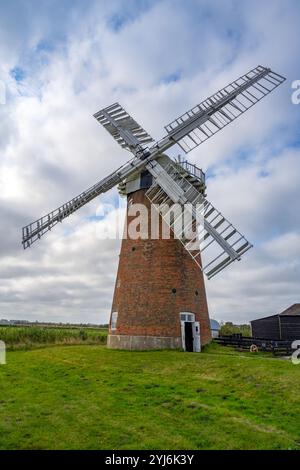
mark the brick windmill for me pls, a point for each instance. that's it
(159, 298)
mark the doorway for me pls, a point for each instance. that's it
(188, 335)
(190, 332)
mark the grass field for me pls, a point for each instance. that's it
(28, 337)
(89, 397)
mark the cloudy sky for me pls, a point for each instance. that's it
(61, 61)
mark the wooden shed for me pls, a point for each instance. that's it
(282, 326)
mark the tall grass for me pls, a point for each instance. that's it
(30, 336)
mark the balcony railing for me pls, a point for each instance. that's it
(192, 169)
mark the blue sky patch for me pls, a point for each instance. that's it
(172, 77)
(18, 74)
(116, 22)
(263, 173)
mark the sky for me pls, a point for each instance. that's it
(62, 61)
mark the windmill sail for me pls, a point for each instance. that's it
(215, 239)
(207, 118)
(36, 229)
(124, 129)
(189, 131)
(33, 231)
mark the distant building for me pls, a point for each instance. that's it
(215, 328)
(282, 326)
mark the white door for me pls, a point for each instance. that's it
(190, 317)
(196, 335)
(182, 335)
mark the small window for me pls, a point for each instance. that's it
(113, 323)
(185, 316)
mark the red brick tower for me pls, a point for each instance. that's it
(159, 299)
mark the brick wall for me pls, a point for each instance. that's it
(148, 274)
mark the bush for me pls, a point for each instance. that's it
(229, 328)
(27, 336)
(83, 335)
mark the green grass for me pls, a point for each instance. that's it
(94, 398)
(28, 337)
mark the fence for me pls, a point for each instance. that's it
(243, 343)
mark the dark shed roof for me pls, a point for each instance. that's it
(292, 310)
